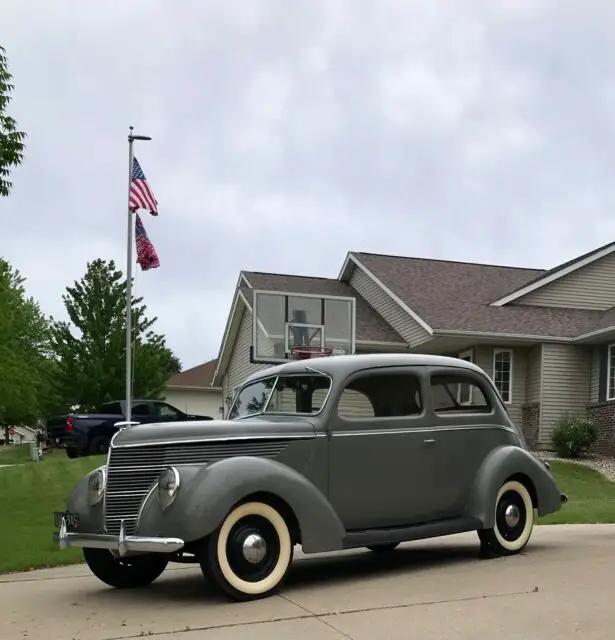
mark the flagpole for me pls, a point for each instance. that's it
(129, 260)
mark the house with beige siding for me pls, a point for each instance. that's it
(192, 391)
(546, 337)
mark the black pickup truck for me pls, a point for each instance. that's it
(83, 434)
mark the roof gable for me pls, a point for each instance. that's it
(199, 377)
(546, 277)
(455, 297)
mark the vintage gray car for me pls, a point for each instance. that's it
(334, 453)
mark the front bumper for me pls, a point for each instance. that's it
(121, 545)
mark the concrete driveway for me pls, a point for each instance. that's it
(562, 587)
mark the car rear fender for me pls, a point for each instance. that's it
(207, 494)
(500, 465)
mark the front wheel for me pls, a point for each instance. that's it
(514, 520)
(249, 555)
(125, 573)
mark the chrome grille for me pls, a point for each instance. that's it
(133, 470)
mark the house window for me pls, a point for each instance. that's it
(502, 373)
(610, 385)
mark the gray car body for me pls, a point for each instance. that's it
(343, 484)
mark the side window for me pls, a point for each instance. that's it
(457, 393)
(381, 395)
(165, 411)
(140, 410)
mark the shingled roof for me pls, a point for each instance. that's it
(200, 377)
(370, 326)
(456, 296)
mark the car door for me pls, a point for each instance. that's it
(466, 430)
(380, 450)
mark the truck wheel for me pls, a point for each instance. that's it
(125, 573)
(514, 520)
(248, 556)
(99, 445)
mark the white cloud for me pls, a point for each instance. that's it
(285, 134)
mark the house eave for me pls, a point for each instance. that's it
(499, 335)
(183, 387)
(515, 295)
(358, 264)
(598, 333)
(227, 343)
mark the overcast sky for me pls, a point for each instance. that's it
(287, 132)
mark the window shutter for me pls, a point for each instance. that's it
(603, 373)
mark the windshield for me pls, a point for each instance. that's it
(304, 394)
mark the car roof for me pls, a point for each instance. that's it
(344, 365)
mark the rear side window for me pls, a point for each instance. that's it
(113, 408)
(381, 395)
(457, 393)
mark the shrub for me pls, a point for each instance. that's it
(573, 435)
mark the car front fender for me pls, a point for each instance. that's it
(207, 494)
(500, 465)
(90, 518)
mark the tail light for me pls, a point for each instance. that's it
(69, 424)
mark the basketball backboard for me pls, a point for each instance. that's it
(282, 321)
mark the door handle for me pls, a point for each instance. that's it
(429, 441)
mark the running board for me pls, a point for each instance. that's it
(395, 535)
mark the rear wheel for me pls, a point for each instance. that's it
(514, 520)
(99, 445)
(249, 555)
(125, 573)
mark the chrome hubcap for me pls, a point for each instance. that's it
(254, 548)
(512, 515)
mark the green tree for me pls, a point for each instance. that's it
(11, 139)
(26, 364)
(91, 350)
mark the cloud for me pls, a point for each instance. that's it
(285, 134)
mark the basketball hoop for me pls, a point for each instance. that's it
(307, 351)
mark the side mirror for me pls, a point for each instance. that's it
(125, 424)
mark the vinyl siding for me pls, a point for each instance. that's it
(591, 287)
(240, 367)
(566, 384)
(534, 371)
(204, 403)
(410, 330)
(483, 357)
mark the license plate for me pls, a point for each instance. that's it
(72, 519)
(57, 440)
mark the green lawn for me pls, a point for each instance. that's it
(591, 497)
(31, 492)
(15, 454)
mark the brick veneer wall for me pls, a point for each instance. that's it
(530, 423)
(602, 414)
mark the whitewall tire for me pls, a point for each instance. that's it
(249, 555)
(514, 520)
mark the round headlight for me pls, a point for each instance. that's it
(168, 486)
(96, 486)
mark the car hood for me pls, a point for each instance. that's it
(256, 427)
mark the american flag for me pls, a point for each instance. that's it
(146, 252)
(141, 196)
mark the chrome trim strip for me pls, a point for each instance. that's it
(279, 436)
(378, 432)
(121, 545)
(143, 503)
